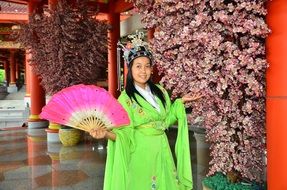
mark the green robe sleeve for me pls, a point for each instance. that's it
(172, 115)
(176, 112)
(172, 109)
(118, 154)
(182, 150)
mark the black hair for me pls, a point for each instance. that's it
(131, 90)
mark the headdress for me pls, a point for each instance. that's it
(136, 48)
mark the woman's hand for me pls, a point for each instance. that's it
(102, 132)
(191, 97)
(99, 132)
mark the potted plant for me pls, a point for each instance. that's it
(68, 46)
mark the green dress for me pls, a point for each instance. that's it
(140, 158)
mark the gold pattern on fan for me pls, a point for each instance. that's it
(91, 122)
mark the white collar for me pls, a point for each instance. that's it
(140, 89)
(147, 94)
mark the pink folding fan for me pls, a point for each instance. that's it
(85, 107)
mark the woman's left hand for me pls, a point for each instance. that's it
(191, 97)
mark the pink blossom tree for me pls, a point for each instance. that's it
(217, 47)
(68, 46)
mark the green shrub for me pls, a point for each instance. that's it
(220, 182)
(2, 75)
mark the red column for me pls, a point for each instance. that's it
(52, 4)
(37, 96)
(37, 92)
(276, 102)
(125, 73)
(12, 68)
(17, 71)
(28, 71)
(33, 6)
(150, 33)
(114, 35)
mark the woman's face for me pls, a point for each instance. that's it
(141, 71)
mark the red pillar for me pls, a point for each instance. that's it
(28, 71)
(37, 97)
(12, 88)
(125, 73)
(150, 33)
(276, 102)
(37, 91)
(17, 71)
(12, 68)
(114, 35)
(33, 6)
(52, 4)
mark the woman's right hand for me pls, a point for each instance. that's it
(99, 132)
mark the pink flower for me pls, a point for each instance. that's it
(217, 48)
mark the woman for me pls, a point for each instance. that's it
(139, 156)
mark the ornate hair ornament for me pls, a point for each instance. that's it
(135, 48)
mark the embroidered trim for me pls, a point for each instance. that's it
(153, 183)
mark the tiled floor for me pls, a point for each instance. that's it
(28, 162)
